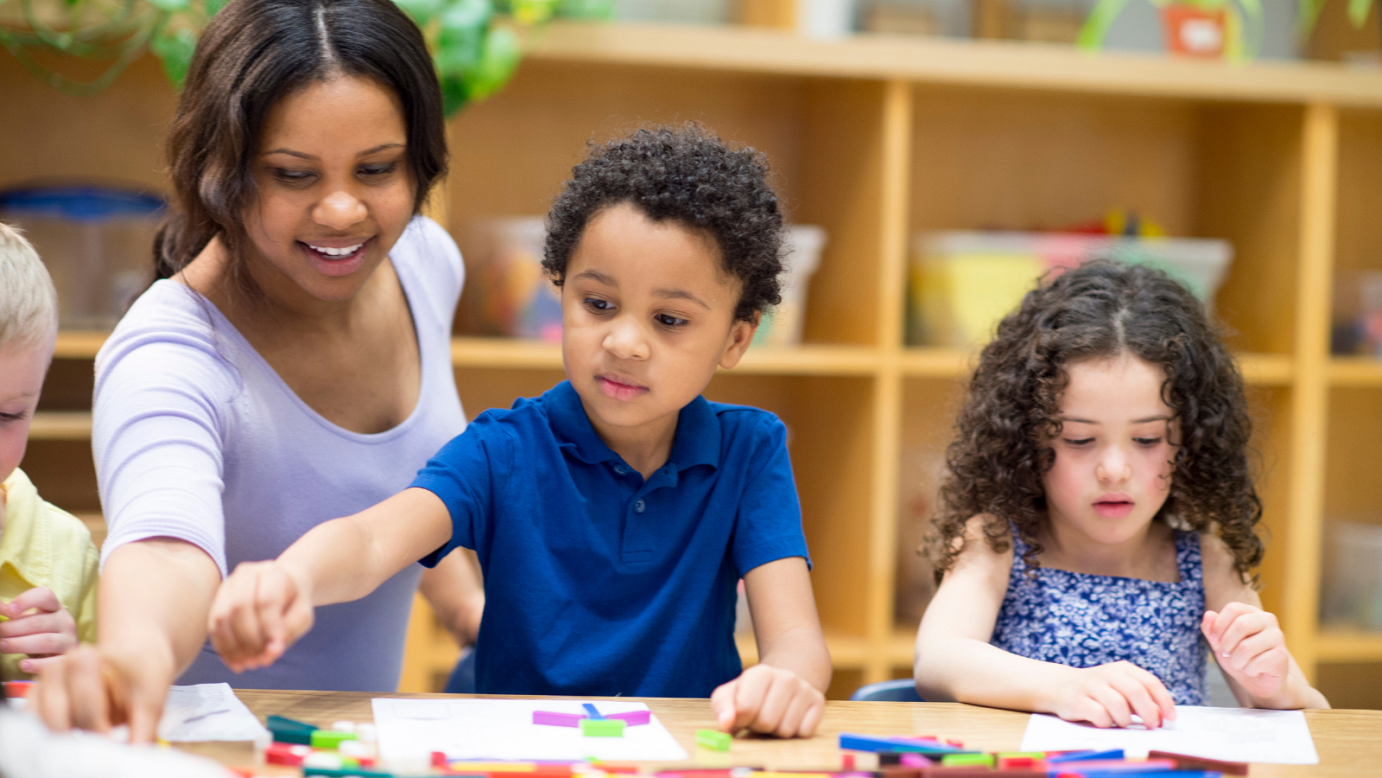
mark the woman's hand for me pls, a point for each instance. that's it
(260, 610)
(38, 626)
(1108, 695)
(96, 689)
(769, 700)
(1249, 647)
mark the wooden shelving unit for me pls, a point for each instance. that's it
(876, 138)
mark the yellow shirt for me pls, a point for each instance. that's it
(42, 545)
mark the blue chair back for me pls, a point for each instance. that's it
(903, 690)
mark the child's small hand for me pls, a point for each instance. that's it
(1108, 695)
(259, 611)
(38, 626)
(1249, 646)
(769, 699)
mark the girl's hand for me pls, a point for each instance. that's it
(259, 611)
(769, 699)
(1250, 647)
(1108, 695)
(38, 626)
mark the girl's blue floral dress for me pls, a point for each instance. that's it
(1083, 620)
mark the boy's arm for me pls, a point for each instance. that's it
(263, 607)
(784, 693)
(1247, 643)
(955, 661)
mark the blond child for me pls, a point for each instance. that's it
(47, 560)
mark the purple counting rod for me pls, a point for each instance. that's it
(557, 719)
(633, 718)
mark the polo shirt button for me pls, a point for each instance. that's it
(639, 506)
(620, 469)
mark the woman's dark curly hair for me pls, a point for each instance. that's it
(1097, 311)
(689, 175)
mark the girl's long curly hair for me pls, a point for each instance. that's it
(1098, 311)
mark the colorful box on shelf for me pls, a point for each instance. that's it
(962, 283)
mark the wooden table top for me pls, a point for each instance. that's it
(1349, 742)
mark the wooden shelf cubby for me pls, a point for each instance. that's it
(876, 138)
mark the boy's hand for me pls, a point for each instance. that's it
(259, 611)
(38, 626)
(769, 699)
(1249, 646)
(1108, 695)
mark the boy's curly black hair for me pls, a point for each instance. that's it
(1097, 311)
(690, 175)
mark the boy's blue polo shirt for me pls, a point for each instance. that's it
(596, 581)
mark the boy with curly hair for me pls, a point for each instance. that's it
(47, 560)
(613, 515)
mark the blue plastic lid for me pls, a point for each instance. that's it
(80, 203)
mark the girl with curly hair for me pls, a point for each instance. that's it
(1098, 520)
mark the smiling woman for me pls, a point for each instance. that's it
(291, 364)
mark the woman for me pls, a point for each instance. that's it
(293, 363)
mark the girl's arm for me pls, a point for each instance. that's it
(263, 607)
(784, 694)
(1247, 643)
(955, 662)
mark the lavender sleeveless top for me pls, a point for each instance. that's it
(1083, 620)
(197, 438)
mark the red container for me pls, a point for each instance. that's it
(1194, 32)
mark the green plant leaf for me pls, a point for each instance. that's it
(601, 10)
(214, 7)
(454, 95)
(174, 50)
(461, 43)
(1358, 11)
(171, 6)
(497, 65)
(421, 11)
(532, 11)
(1096, 27)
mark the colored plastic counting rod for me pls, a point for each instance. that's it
(713, 739)
(592, 711)
(287, 730)
(342, 772)
(329, 739)
(1083, 756)
(634, 718)
(602, 728)
(855, 742)
(967, 760)
(552, 719)
(1184, 761)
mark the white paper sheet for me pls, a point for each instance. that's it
(1229, 734)
(208, 711)
(409, 730)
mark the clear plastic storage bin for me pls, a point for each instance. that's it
(962, 283)
(1352, 590)
(96, 241)
(783, 325)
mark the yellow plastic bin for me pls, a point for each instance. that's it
(962, 283)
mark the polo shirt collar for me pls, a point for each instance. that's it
(25, 543)
(697, 440)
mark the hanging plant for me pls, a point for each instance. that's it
(474, 43)
(1218, 28)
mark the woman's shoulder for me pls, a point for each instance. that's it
(169, 329)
